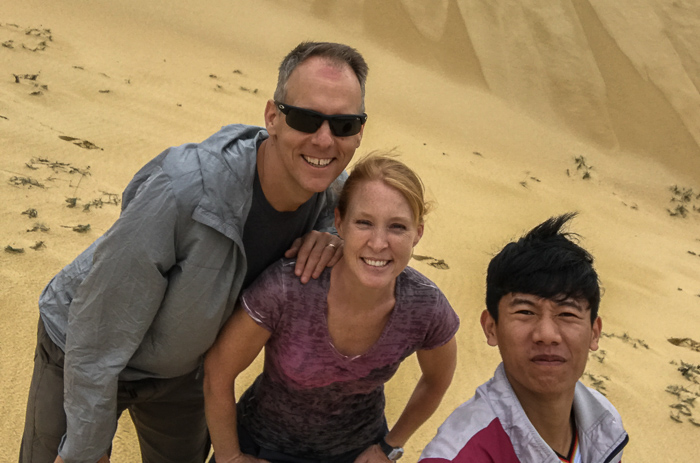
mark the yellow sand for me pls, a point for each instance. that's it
(490, 101)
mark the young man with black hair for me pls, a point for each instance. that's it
(542, 298)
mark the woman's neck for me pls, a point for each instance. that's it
(347, 288)
(357, 315)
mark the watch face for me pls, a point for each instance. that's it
(395, 454)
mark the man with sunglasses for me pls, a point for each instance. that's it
(126, 324)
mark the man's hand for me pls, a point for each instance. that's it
(315, 251)
(104, 459)
(373, 454)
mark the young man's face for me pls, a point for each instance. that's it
(308, 163)
(544, 343)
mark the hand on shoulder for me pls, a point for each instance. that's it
(314, 252)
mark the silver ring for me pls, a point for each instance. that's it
(331, 245)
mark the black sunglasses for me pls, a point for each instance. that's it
(308, 121)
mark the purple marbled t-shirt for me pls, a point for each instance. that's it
(311, 401)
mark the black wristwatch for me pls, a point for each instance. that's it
(392, 453)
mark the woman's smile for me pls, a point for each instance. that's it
(379, 233)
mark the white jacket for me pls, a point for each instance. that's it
(493, 427)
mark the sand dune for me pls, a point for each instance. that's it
(621, 74)
(510, 111)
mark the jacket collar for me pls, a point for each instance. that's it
(228, 163)
(599, 426)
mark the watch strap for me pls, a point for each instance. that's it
(392, 453)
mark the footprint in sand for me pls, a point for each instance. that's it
(12, 250)
(88, 145)
(38, 227)
(38, 245)
(31, 213)
(437, 263)
(78, 228)
(685, 342)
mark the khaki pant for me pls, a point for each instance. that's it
(168, 414)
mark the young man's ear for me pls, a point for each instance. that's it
(595, 333)
(488, 324)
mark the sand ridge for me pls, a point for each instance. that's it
(510, 111)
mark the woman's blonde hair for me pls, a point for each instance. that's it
(394, 173)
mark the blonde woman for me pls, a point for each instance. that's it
(330, 345)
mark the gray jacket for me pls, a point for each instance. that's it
(147, 299)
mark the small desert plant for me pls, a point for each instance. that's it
(581, 165)
(684, 198)
(679, 211)
(683, 195)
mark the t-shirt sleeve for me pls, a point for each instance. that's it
(263, 300)
(443, 324)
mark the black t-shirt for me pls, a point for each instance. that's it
(268, 233)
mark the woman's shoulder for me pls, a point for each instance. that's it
(415, 288)
(281, 274)
(278, 296)
(285, 266)
(425, 309)
(412, 280)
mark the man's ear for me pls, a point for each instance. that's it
(271, 117)
(359, 136)
(595, 333)
(488, 324)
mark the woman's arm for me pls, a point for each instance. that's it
(438, 366)
(239, 342)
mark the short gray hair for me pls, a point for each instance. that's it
(337, 53)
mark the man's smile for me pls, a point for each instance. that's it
(316, 162)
